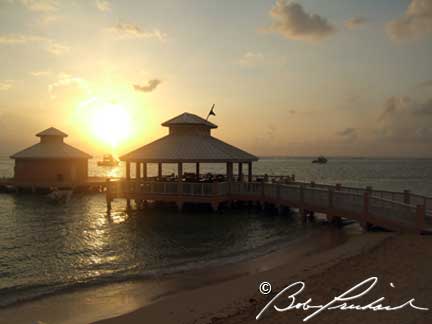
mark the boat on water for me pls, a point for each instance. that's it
(60, 195)
(320, 160)
(108, 161)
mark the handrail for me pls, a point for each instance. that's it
(360, 202)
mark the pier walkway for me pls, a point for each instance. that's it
(398, 211)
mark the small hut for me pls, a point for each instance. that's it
(50, 162)
(189, 141)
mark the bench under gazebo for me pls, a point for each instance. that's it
(189, 141)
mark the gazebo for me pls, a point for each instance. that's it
(189, 141)
(51, 162)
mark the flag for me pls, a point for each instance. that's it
(211, 112)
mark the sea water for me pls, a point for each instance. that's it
(47, 248)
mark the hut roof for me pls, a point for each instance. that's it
(189, 146)
(188, 119)
(56, 149)
(52, 131)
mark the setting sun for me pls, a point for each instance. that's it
(108, 122)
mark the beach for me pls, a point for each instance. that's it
(404, 260)
(101, 302)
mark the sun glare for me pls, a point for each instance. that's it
(110, 123)
(107, 122)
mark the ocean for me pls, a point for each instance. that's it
(47, 248)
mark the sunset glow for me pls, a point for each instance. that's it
(108, 123)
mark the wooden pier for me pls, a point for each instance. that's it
(397, 211)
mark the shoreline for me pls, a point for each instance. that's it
(228, 298)
(117, 299)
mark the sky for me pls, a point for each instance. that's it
(288, 78)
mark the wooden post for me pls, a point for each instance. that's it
(330, 198)
(127, 170)
(230, 171)
(407, 197)
(240, 171)
(159, 170)
(137, 170)
(250, 171)
(421, 213)
(338, 186)
(197, 170)
(364, 222)
(108, 194)
(145, 171)
(180, 178)
(302, 194)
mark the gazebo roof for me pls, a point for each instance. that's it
(188, 119)
(55, 149)
(189, 146)
(52, 131)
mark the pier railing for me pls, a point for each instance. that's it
(388, 209)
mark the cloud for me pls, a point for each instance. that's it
(425, 84)
(20, 39)
(51, 46)
(393, 105)
(41, 5)
(251, 59)
(349, 134)
(416, 21)
(39, 73)
(152, 85)
(65, 80)
(103, 5)
(293, 22)
(131, 31)
(406, 120)
(6, 85)
(355, 22)
(57, 48)
(424, 108)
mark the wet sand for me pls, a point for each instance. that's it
(404, 260)
(238, 300)
(123, 299)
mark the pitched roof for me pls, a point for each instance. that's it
(188, 119)
(51, 148)
(189, 148)
(51, 151)
(52, 132)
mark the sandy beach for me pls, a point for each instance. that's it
(109, 301)
(401, 259)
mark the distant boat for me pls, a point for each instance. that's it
(320, 160)
(108, 161)
(60, 196)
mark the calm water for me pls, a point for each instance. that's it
(46, 248)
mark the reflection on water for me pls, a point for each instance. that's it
(45, 248)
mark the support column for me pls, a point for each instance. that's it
(250, 171)
(240, 172)
(145, 171)
(180, 171)
(128, 202)
(127, 170)
(160, 170)
(229, 171)
(137, 170)
(197, 170)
